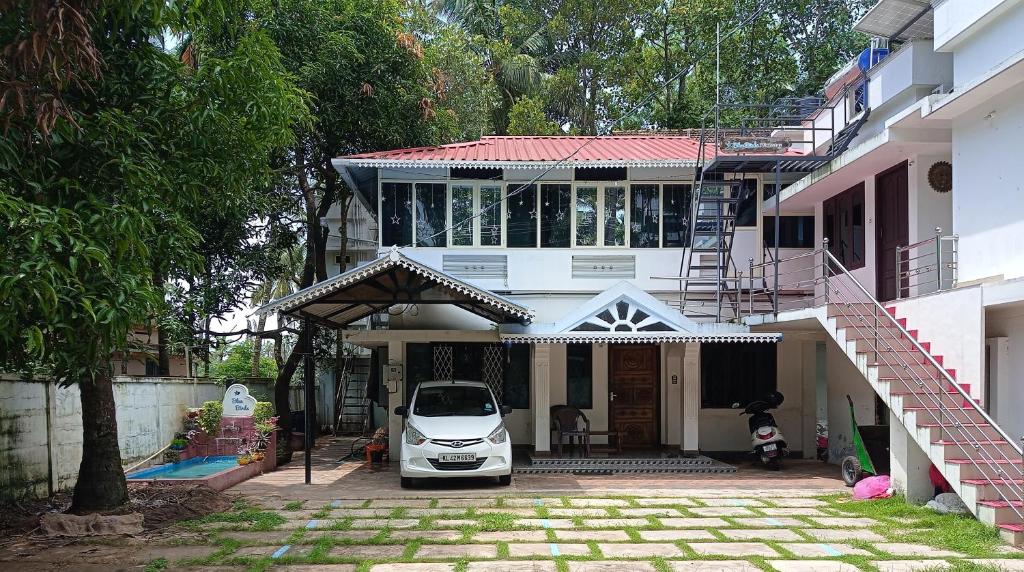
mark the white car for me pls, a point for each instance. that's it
(454, 429)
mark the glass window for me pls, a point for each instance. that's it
(396, 214)
(516, 392)
(794, 231)
(675, 228)
(431, 214)
(462, 215)
(490, 215)
(746, 209)
(522, 215)
(586, 216)
(555, 209)
(615, 216)
(736, 373)
(643, 216)
(579, 376)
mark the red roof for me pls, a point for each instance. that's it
(605, 151)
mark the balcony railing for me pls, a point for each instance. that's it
(927, 266)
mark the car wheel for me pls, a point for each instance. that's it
(852, 471)
(505, 480)
(407, 482)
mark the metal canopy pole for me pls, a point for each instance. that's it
(778, 192)
(309, 395)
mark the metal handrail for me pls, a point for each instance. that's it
(919, 347)
(908, 267)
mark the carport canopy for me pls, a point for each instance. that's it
(391, 280)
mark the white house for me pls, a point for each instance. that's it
(863, 245)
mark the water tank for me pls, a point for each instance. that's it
(870, 57)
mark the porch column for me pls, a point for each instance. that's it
(396, 397)
(541, 398)
(691, 399)
(908, 463)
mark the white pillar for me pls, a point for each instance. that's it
(673, 382)
(691, 398)
(396, 397)
(541, 397)
(908, 463)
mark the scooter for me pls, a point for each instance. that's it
(767, 441)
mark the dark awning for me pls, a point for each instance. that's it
(392, 279)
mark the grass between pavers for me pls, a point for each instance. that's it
(156, 565)
(294, 505)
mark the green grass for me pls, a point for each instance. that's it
(156, 565)
(294, 505)
(256, 519)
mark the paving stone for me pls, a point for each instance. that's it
(408, 503)
(369, 551)
(457, 551)
(414, 567)
(909, 565)
(313, 568)
(906, 549)
(586, 535)
(833, 534)
(733, 548)
(626, 550)
(383, 522)
(811, 550)
(1004, 565)
(518, 550)
(662, 501)
(312, 523)
(712, 566)
(840, 522)
(598, 502)
(693, 522)
(577, 512)
(426, 534)
(359, 513)
(649, 512)
(437, 512)
(611, 566)
(721, 511)
(531, 502)
(796, 502)
(453, 522)
(313, 536)
(615, 522)
(545, 522)
(297, 514)
(346, 503)
(767, 521)
(778, 534)
(263, 551)
(731, 502)
(511, 536)
(795, 511)
(468, 503)
(683, 534)
(171, 553)
(272, 537)
(812, 566)
(513, 566)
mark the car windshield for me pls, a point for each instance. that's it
(454, 400)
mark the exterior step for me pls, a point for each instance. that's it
(868, 322)
(891, 346)
(949, 400)
(910, 372)
(857, 308)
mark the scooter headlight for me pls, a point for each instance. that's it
(413, 436)
(499, 435)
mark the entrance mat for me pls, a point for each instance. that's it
(604, 466)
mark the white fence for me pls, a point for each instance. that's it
(41, 427)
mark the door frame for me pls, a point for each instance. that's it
(657, 389)
(879, 273)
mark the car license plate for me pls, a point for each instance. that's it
(456, 457)
(770, 447)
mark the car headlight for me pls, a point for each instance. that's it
(499, 435)
(413, 436)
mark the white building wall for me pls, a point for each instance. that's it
(1008, 392)
(845, 379)
(980, 33)
(988, 193)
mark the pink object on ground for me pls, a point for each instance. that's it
(879, 487)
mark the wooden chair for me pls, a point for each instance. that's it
(566, 422)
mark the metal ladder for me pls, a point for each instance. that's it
(353, 415)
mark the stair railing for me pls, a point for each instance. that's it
(993, 458)
(923, 266)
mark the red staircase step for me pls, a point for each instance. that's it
(979, 442)
(1011, 527)
(1001, 503)
(986, 462)
(983, 482)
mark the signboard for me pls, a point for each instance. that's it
(237, 402)
(753, 144)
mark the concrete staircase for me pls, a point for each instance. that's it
(974, 455)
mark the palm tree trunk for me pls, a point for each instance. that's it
(257, 346)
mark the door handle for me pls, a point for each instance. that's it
(611, 396)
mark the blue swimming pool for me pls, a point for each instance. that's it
(194, 468)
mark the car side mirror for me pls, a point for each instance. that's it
(505, 410)
(402, 411)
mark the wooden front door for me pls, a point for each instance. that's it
(891, 229)
(633, 393)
